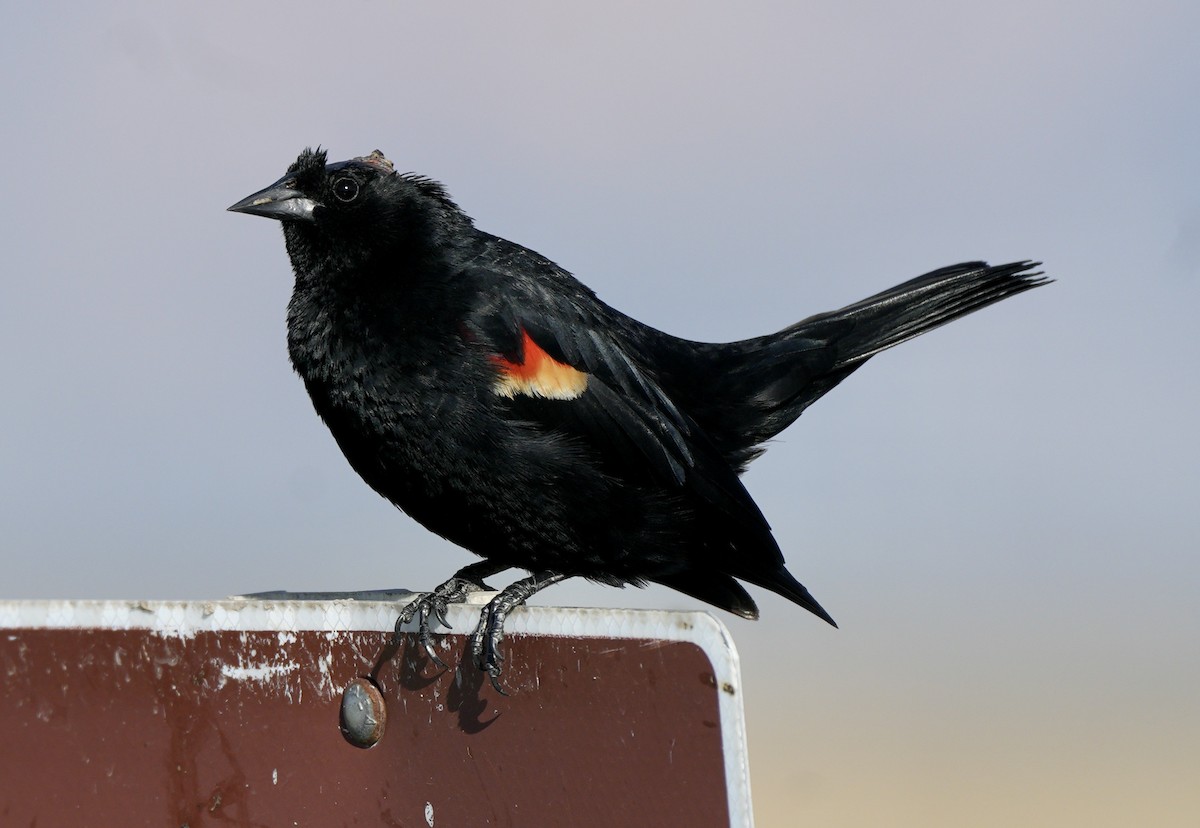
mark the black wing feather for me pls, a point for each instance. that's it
(624, 407)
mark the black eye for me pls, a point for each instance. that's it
(346, 189)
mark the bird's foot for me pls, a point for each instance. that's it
(485, 641)
(433, 605)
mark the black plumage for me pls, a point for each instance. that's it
(495, 399)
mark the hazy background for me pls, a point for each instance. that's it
(1002, 515)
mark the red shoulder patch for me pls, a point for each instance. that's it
(537, 374)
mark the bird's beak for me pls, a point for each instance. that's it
(279, 201)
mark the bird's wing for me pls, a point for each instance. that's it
(566, 362)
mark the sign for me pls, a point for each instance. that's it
(228, 712)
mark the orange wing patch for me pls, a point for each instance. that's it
(538, 375)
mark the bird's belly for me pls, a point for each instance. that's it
(503, 490)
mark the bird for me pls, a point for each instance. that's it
(498, 401)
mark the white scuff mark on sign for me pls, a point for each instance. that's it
(654, 643)
(325, 667)
(260, 673)
(429, 814)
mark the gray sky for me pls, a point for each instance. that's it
(1001, 514)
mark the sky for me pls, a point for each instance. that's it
(1001, 515)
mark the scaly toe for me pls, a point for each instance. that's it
(494, 677)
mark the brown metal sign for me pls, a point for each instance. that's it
(219, 713)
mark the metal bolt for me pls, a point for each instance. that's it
(364, 714)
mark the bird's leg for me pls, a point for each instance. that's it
(485, 641)
(433, 604)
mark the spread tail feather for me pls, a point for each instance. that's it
(762, 385)
(917, 306)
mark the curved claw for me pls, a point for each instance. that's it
(439, 610)
(427, 642)
(425, 606)
(494, 677)
(488, 659)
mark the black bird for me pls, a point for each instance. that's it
(490, 395)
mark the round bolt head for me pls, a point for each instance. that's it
(364, 714)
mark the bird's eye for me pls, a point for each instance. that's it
(346, 189)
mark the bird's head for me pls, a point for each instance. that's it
(355, 209)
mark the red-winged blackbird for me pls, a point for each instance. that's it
(491, 396)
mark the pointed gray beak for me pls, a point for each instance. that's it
(279, 201)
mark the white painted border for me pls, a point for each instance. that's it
(366, 611)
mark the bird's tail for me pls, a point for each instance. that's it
(882, 321)
(764, 384)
